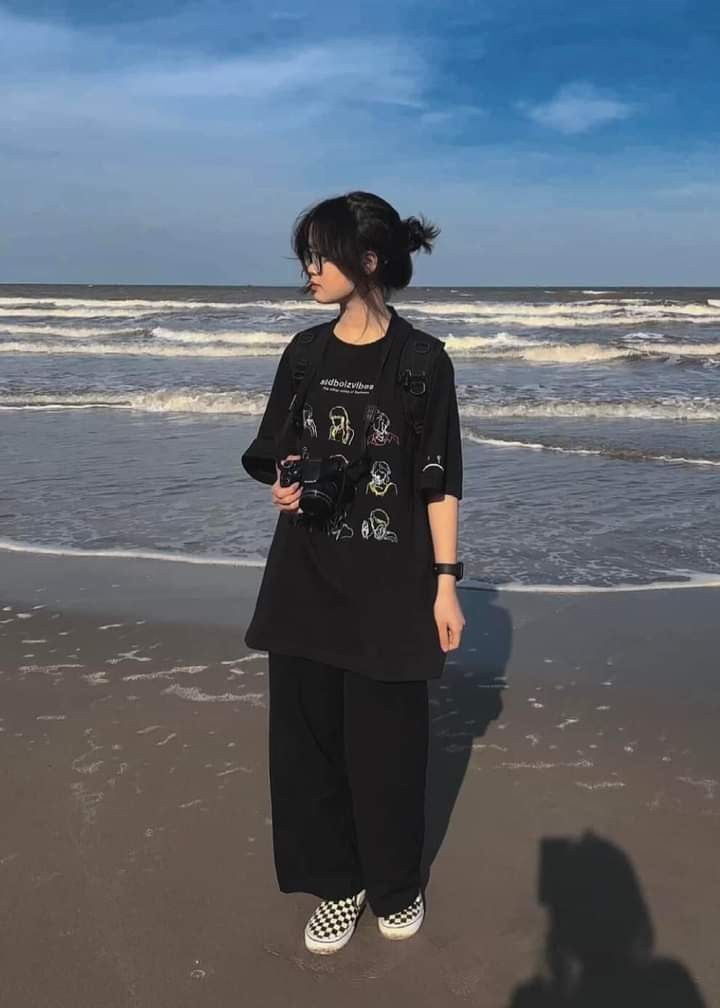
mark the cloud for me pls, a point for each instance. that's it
(691, 193)
(86, 75)
(177, 143)
(576, 108)
(458, 116)
(291, 73)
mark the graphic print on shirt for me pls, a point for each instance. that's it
(338, 528)
(380, 483)
(377, 526)
(433, 462)
(340, 427)
(308, 422)
(380, 430)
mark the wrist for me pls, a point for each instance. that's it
(446, 583)
(448, 568)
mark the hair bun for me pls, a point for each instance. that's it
(419, 234)
(415, 233)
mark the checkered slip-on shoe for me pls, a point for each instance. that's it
(332, 924)
(404, 923)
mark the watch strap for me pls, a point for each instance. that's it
(449, 568)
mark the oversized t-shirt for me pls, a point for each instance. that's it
(358, 591)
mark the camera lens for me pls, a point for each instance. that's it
(316, 503)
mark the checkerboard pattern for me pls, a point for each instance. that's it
(403, 923)
(332, 924)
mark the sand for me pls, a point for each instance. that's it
(135, 855)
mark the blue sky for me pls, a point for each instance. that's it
(552, 142)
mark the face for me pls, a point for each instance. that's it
(329, 283)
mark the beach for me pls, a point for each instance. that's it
(514, 307)
(136, 853)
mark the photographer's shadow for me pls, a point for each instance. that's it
(462, 704)
(598, 949)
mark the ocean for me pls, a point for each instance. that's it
(590, 421)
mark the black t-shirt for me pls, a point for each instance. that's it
(358, 591)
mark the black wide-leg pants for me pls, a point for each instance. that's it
(347, 762)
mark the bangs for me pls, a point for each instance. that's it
(327, 230)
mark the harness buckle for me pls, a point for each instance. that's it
(414, 381)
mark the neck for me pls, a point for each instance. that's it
(359, 322)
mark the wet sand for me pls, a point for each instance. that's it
(135, 853)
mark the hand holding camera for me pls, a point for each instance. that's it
(286, 495)
(319, 488)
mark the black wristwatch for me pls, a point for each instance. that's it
(449, 568)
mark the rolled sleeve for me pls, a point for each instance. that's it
(260, 457)
(439, 460)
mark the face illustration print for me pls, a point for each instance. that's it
(380, 483)
(340, 429)
(336, 525)
(380, 432)
(308, 422)
(433, 462)
(377, 526)
(339, 528)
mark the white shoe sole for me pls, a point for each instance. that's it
(405, 931)
(398, 933)
(328, 947)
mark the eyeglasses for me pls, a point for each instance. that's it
(311, 256)
(314, 257)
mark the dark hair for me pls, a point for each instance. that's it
(343, 228)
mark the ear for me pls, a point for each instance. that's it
(370, 261)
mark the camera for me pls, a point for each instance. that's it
(326, 484)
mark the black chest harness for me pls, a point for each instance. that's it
(416, 362)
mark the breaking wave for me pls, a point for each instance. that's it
(252, 403)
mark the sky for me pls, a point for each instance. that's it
(552, 142)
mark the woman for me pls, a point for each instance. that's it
(353, 610)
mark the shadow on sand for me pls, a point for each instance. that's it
(462, 704)
(598, 948)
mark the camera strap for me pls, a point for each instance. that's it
(303, 370)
